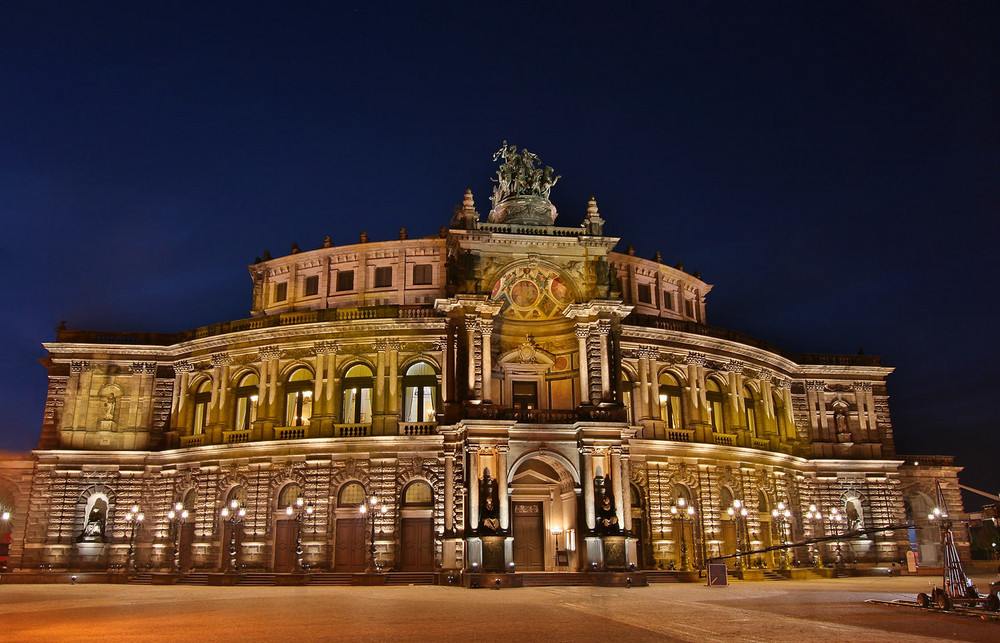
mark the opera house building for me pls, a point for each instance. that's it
(505, 395)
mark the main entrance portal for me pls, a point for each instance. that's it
(529, 544)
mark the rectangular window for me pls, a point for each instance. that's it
(312, 285)
(383, 277)
(281, 292)
(668, 300)
(525, 395)
(689, 307)
(422, 275)
(645, 294)
(345, 280)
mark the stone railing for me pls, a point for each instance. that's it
(237, 437)
(516, 228)
(725, 439)
(650, 321)
(680, 435)
(417, 428)
(352, 430)
(760, 443)
(352, 313)
(290, 433)
(192, 440)
(547, 416)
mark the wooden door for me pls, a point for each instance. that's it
(529, 549)
(350, 549)
(285, 532)
(186, 544)
(417, 553)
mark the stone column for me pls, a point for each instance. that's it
(653, 396)
(582, 333)
(616, 484)
(604, 329)
(378, 404)
(643, 384)
(471, 323)
(590, 517)
(502, 487)
(392, 406)
(183, 370)
(626, 489)
(445, 381)
(473, 482)
(319, 361)
(486, 328)
(449, 491)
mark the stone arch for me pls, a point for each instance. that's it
(286, 371)
(89, 510)
(355, 361)
(409, 361)
(555, 460)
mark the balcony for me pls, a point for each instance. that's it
(680, 435)
(724, 439)
(760, 443)
(417, 428)
(192, 440)
(546, 416)
(352, 430)
(290, 433)
(237, 437)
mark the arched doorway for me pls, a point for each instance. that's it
(417, 528)
(185, 539)
(286, 529)
(641, 528)
(543, 515)
(349, 547)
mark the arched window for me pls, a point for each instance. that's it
(418, 494)
(298, 398)
(238, 494)
(670, 401)
(779, 414)
(420, 393)
(714, 396)
(350, 494)
(750, 415)
(190, 499)
(246, 402)
(627, 397)
(289, 495)
(358, 384)
(202, 400)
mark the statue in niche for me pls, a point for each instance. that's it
(840, 420)
(607, 516)
(110, 403)
(93, 530)
(489, 505)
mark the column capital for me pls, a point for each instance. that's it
(604, 326)
(269, 352)
(79, 366)
(182, 366)
(380, 345)
(471, 324)
(862, 386)
(486, 326)
(220, 359)
(696, 359)
(733, 366)
(582, 331)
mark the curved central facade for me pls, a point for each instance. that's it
(514, 396)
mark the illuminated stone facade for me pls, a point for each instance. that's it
(510, 390)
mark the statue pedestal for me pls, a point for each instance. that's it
(494, 559)
(614, 552)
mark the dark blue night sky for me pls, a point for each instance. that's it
(833, 169)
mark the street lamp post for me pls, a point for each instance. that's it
(685, 513)
(235, 514)
(5, 526)
(133, 518)
(301, 510)
(836, 520)
(371, 509)
(556, 531)
(782, 514)
(815, 518)
(738, 513)
(177, 516)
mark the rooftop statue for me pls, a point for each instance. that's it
(522, 188)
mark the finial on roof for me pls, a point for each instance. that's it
(295, 248)
(443, 232)
(657, 257)
(593, 223)
(364, 236)
(468, 202)
(266, 256)
(465, 216)
(630, 250)
(402, 234)
(326, 242)
(680, 266)
(697, 274)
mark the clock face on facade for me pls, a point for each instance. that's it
(531, 292)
